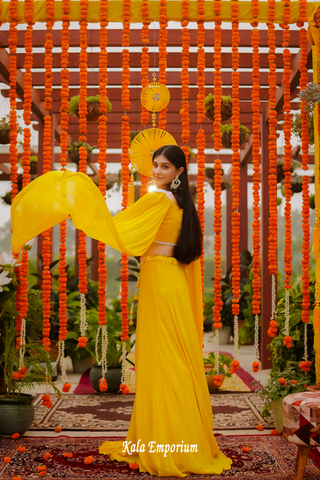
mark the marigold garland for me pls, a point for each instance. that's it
(303, 13)
(287, 166)
(163, 37)
(145, 56)
(235, 217)
(255, 13)
(13, 37)
(217, 76)
(144, 185)
(200, 63)
(201, 143)
(217, 226)
(256, 225)
(185, 79)
(273, 213)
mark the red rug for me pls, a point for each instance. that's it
(270, 458)
(84, 387)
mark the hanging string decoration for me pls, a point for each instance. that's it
(305, 181)
(125, 178)
(217, 76)
(287, 167)
(272, 180)
(64, 122)
(82, 248)
(145, 55)
(235, 216)
(102, 142)
(256, 225)
(185, 79)
(163, 37)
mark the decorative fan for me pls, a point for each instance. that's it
(144, 145)
(155, 97)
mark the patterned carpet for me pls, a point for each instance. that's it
(270, 458)
(239, 411)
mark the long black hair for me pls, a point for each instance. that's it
(189, 245)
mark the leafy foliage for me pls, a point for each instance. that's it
(74, 146)
(210, 99)
(74, 103)
(297, 126)
(224, 363)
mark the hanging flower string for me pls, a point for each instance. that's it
(272, 180)
(82, 249)
(235, 217)
(256, 225)
(64, 122)
(145, 56)
(102, 142)
(217, 76)
(163, 37)
(305, 181)
(125, 179)
(287, 168)
(185, 79)
(201, 139)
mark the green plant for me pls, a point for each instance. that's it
(312, 201)
(224, 363)
(5, 124)
(15, 383)
(227, 128)
(74, 147)
(114, 351)
(34, 322)
(311, 94)
(280, 384)
(7, 198)
(75, 101)
(297, 126)
(210, 99)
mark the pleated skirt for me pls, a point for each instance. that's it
(170, 432)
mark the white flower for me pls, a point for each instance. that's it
(4, 280)
(6, 259)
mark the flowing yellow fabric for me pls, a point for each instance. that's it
(174, 11)
(314, 36)
(172, 403)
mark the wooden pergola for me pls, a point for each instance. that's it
(174, 126)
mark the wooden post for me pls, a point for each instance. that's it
(228, 229)
(95, 260)
(265, 353)
(243, 208)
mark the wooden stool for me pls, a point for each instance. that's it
(301, 425)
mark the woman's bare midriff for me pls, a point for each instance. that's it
(157, 249)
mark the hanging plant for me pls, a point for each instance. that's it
(93, 107)
(226, 107)
(133, 134)
(33, 164)
(226, 132)
(312, 201)
(297, 127)
(280, 172)
(296, 183)
(311, 95)
(73, 151)
(226, 180)
(5, 130)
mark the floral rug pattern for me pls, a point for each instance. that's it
(113, 412)
(270, 458)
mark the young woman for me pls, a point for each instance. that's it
(170, 432)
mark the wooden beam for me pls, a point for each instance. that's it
(246, 151)
(295, 77)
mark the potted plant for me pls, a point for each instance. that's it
(225, 363)
(93, 107)
(312, 201)
(33, 164)
(7, 198)
(73, 151)
(112, 178)
(226, 107)
(296, 183)
(16, 409)
(226, 132)
(5, 130)
(296, 126)
(280, 172)
(280, 384)
(81, 357)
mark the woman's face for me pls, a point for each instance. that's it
(164, 171)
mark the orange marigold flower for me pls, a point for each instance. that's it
(16, 376)
(15, 435)
(17, 478)
(246, 449)
(47, 455)
(43, 473)
(57, 429)
(282, 381)
(294, 382)
(306, 385)
(68, 455)
(260, 428)
(21, 449)
(274, 432)
(88, 460)
(41, 468)
(7, 459)
(134, 466)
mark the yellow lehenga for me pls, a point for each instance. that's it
(172, 407)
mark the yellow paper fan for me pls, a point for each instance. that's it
(144, 145)
(155, 97)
